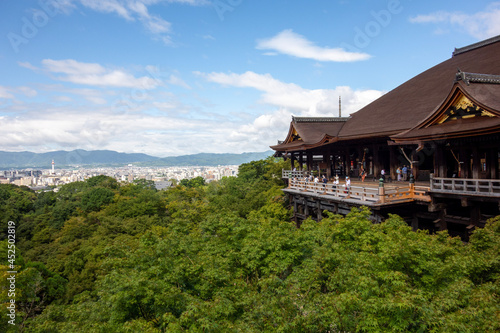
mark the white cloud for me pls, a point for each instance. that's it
(104, 128)
(10, 92)
(132, 10)
(109, 6)
(288, 42)
(481, 25)
(175, 80)
(157, 25)
(159, 122)
(315, 102)
(94, 74)
(288, 98)
(5, 93)
(27, 91)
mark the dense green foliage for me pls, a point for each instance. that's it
(98, 256)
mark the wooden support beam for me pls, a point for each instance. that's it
(414, 223)
(295, 212)
(475, 215)
(435, 207)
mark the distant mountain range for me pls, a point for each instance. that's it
(82, 157)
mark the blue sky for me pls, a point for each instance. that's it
(177, 77)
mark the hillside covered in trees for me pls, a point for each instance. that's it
(99, 256)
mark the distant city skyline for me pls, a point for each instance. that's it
(178, 77)
(37, 178)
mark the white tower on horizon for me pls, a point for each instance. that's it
(53, 172)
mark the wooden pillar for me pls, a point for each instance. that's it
(292, 160)
(295, 218)
(347, 163)
(309, 160)
(442, 222)
(491, 161)
(320, 215)
(494, 164)
(393, 162)
(476, 163)
(329, 164)
(376, 162)
(414, 164)
(475, 214)
(439, 162)
(301, 161)
(414, 223)
(463, 158)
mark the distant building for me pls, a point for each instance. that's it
(162, 185)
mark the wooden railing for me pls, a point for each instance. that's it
(289, 174)
(364, 194)
(420, 193)
(486, 187)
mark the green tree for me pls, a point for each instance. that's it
(95, 198)
(194, 182)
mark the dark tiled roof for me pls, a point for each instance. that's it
(410, 103)
(487, 95)
(319, 119)
(482, 94)
(476, 45)
(312, 131)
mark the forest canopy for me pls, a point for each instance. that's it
(101, 256)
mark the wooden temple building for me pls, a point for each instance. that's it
(443, 125)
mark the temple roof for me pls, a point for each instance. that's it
(410, 103)
(471, 108)
(309, 132)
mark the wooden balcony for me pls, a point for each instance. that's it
(461, 186)
(369, 194)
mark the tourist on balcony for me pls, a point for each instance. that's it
(316, 182)
(405, 173)
(398, 172)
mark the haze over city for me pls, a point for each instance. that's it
(180, 77)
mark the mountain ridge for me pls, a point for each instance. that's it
(81, 157)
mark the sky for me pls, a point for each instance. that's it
(178, 77)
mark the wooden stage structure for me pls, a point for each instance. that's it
(441, 129)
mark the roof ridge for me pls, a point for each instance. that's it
(477, 77)
(474, 46)
(318, 119)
